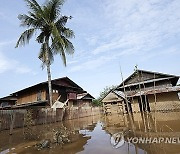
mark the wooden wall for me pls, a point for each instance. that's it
(135, 105)
(114, 108)
(31, 97)
(143, 77)
(79, 103)
(55, 96)
(85, 103)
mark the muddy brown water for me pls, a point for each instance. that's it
(103, 135)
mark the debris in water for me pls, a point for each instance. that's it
(43, 144)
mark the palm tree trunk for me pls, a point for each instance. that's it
(49, 84)
(49, 73)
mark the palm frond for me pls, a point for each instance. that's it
(34, 6)
(60, 23)
(41, 37)
(57, 37)
(54, 7)
(44, 52)
(25, 37)
(69, 48)
(68, 33)
(27, 21)
(37, 10)
(63, 57)
(57, 48)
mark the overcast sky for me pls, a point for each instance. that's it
(109, 34)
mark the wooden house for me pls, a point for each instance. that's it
(38, 95)
(7, 102)
(150, 91)
(84, 99)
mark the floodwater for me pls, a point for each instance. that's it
(132, 134)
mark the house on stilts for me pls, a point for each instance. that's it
(146, 91)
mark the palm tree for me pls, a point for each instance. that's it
(47, 21)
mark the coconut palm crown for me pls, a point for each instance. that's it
(47, 21)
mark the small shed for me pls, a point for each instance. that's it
(84, 99)
(113, 102)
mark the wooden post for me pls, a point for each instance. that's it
(155, 99)
(139, 89)
(1, 119)
(144, 92)
(24, 121)
(13, 117)
(132, 98)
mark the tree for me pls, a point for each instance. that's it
(47, 21)
(106, 91)
(96, 102)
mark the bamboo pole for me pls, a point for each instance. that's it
(127, 105)
(139, 87)
(132, 97)
(155, 99)
(144, 91)
(142, 113)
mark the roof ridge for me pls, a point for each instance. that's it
(157, 72)
(170, 75)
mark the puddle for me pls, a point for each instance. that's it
(131, 134)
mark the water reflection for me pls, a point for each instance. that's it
(92, 135)
(148, 125)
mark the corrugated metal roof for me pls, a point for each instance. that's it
(30, 104)
(120, 93)
(145, 71)
(144, 82)
(154, 91)
(82, 95)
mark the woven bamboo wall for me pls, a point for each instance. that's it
(164, 102)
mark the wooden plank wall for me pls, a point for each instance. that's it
(39, 116)
(31, 97)
(80, 112)
(42, 116)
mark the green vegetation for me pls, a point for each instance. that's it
(48, 24)
(106, 90)
(96, 102)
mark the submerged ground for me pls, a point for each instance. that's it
(99, 134)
